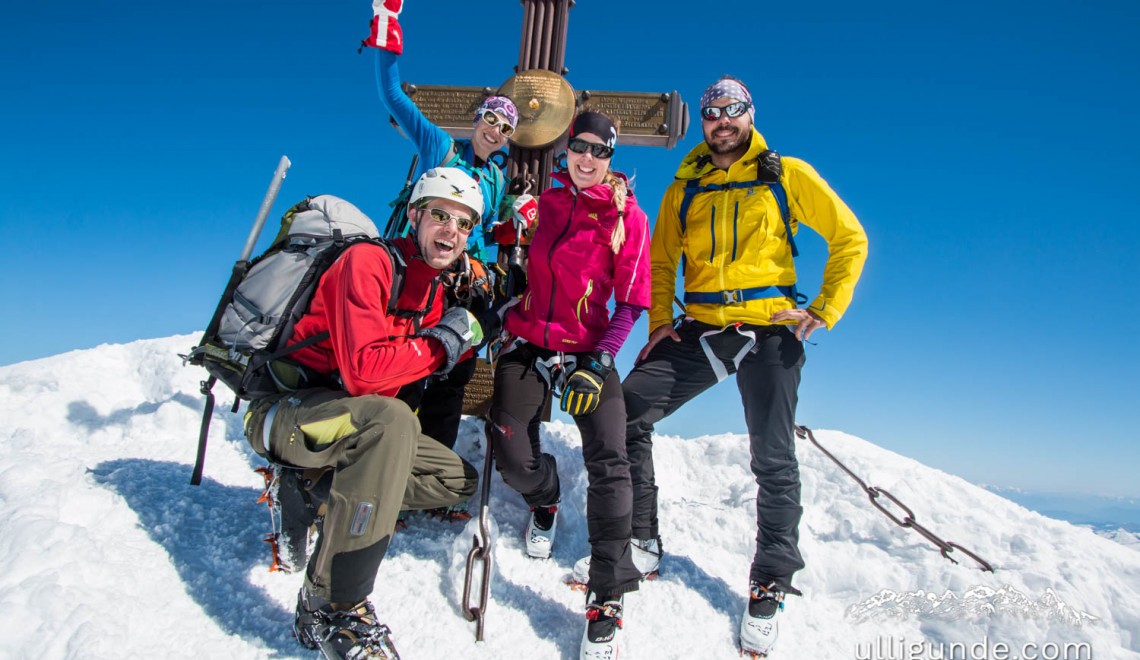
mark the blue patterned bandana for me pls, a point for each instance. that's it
(728, 87)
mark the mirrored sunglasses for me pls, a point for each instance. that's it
(713, 113)
(463, 224)
(580, 146)
(494, 119)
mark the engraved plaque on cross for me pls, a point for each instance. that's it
(644, 119)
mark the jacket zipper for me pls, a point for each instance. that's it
(584, 301)
(554, 280)
(712, 230)
(720, 271)
(735, 215)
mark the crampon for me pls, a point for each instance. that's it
(295, 516)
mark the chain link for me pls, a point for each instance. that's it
(908, 520)
(480, 552)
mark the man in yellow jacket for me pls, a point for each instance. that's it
(730, 219)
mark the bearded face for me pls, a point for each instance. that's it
(727, 135)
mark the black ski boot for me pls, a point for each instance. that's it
(354, 633)
(602, 638)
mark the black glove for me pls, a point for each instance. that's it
(499, 283)
(491, 324)
(583, 390)
(510, 280)
(457, 331)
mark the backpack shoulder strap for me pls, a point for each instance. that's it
(399, 270)
(454, 154)
(692, 187)
(770, 164)
(781, 196)
(770, 169)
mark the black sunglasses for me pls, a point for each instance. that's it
(712, 113)
(580, 146)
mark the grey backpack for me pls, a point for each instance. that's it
(244, 343)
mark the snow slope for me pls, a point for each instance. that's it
(1121, 536)
(108, 552)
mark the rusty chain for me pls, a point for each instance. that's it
(908, 521)
(480, 551)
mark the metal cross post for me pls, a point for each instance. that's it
(547, 103)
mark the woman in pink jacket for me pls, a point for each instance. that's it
(592, 242)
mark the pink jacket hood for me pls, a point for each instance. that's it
(572, 270)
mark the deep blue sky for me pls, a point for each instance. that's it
(988, 148)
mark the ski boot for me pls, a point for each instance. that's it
(758, 628)
(350, 634)
(540, 530)
(646, 557)
(602, 638)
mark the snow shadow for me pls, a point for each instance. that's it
(437, 540)
(83, 414)
(548, 618)
(722, 597)
(212, 535)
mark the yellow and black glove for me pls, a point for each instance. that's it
(583, 390)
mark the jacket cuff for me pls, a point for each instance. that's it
(657, 322)
(829, 314)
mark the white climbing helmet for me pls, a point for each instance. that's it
(449, 183)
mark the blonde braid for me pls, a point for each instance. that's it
(621, 194)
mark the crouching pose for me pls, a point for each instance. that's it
(379, 459)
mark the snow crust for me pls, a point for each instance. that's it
(108, 552)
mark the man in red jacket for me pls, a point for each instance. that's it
(380, 460)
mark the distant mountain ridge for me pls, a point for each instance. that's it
(1097, 511)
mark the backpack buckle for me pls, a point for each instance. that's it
(732, 297)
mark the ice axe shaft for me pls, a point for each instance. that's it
(242, 264)
(238, 272)
(266, 205)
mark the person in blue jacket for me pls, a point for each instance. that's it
(494, 122)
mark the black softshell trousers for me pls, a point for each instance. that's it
(768, 377)
(381, 463)
(441, 407)
(515, 417)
